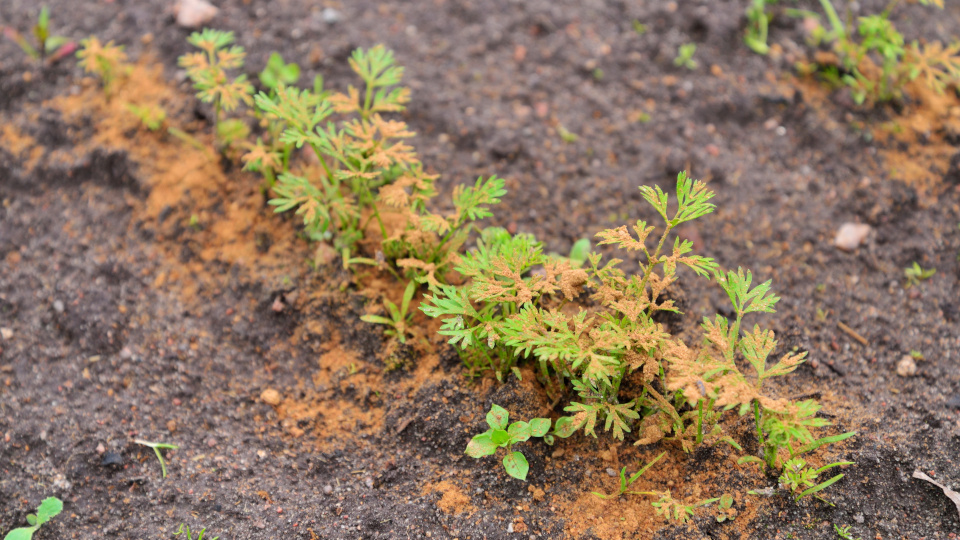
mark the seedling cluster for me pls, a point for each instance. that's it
(591, 331)
(870, 56)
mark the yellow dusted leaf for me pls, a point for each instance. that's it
(346, 103)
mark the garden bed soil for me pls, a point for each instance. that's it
(148, 292)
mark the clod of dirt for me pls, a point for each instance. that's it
(270, 397)
(194, 13)
(906, 367)
(111, 458)
(851, 235)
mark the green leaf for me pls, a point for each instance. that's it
(580, 251)
(820, 487)
(481, 445)
(645, 468)
(500, 437)
(565, 427)
(692, 197)
(375, 319)
(539, 427)
(232, 130)
(53, 43)
(751, 459)
(23, 533)
(516, 465)
(657, 198)
(498, 417)
(50, 507)
(825, 440)
(519, 432)
(407, 296)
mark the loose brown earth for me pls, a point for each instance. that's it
(124, 321)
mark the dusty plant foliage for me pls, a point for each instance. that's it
(593, 336)
(368, 176)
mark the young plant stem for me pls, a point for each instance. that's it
(838, 27)
(216, 119)
(653, 261)
(763, 445)
(700, 422)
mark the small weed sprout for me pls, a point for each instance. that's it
(45, 46)
(278, 72)
(874, 60)
(154, 117)
(185, 530)
(399, 321)
(675, 510)
(801, 480)
(844, 532)
(725, 510)
(108, 62)
(157, 446)
(625, 482)
(151, 116)
(758, 22)
(502, 435)
(208, 70)
(566, 135)
(48, 509)
(915, 274)
(685, 56)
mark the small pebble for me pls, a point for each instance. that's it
(194, 13)
(111, 458)
(172, 426)
(907, 367)
(6, 334)
(327, 489)
(58, 306)
(369, 482)
(611, 472)
(100, 448)
(331, 16)
(211, 442)
(851, 235)
(270, 396)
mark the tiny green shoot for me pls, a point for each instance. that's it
(157, 446)
(625, 482)
(50, 507)
(726, 511)
(399, 321)
(685, 56)
(45, 46)
(844, 532)
(915, 274)
(185, 530)
(502, 435)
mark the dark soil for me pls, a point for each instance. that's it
(121, 324)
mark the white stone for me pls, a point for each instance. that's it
(907, 367)
(851, 235)
(194, 13)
